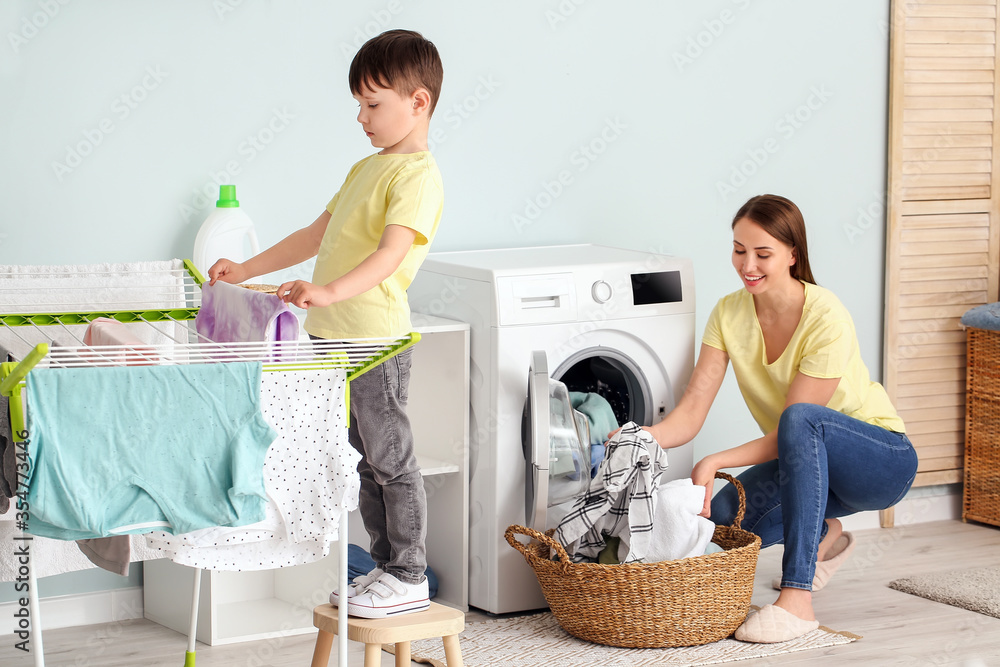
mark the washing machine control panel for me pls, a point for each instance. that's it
(601, 291)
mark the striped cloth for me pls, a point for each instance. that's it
(620, 501)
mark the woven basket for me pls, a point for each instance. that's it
(981, 491)
(260, 287)
(684, 602)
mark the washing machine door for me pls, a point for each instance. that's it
(556, 445)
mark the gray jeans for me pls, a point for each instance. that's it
(393, 502)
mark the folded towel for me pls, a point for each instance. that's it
(106, 331)
(986, 317)
(678, 531)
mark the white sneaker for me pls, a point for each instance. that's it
(359, 585)
(388, 596)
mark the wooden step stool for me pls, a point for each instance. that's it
(438, 621)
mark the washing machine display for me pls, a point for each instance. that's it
(660, 287)
(615, 322)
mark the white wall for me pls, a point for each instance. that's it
(120, 115)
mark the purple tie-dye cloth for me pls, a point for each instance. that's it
(232, 314)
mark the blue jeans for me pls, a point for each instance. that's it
(829, 465)
(392, 500)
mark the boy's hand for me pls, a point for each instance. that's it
(227, 271)
(305, 294)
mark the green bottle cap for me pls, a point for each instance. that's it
(227, 197)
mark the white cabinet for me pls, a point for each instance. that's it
(244, 606)
(238, 606)
(438, 409)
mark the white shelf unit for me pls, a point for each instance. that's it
(244, 606)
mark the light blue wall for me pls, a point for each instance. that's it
(660, 118)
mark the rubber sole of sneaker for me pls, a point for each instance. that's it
(384, 612)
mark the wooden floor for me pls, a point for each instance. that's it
(897, 629)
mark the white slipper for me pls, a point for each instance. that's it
(773, 624)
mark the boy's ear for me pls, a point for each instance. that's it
(421, 101)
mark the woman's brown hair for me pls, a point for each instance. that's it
(782, 219)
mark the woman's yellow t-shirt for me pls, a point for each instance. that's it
(381, 190)
(824, 345)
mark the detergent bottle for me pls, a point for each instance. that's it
(227, 232)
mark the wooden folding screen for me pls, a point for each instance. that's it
(942, 205)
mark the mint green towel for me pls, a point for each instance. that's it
(599, 413)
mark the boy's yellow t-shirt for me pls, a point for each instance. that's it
(381, 190)
(824, 345)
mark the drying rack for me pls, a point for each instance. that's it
(170, 314)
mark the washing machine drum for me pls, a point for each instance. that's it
(614, 378)
(555, 473)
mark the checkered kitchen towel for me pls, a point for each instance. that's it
(620, 499)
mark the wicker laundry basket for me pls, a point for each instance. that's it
(260, 287)
(683, 602)
(981, 491)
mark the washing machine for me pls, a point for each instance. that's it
(598, 319)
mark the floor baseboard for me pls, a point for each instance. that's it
(67, 611)
(909, 511)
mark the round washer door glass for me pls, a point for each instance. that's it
(614, 376)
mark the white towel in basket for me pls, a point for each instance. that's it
(678, 531)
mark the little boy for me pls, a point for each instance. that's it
(369, 243)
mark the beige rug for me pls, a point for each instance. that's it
(977, 589)
(539, 641)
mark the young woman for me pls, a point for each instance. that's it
(833, 444)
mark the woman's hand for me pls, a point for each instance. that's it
(647, 429)
(227, 271)
(703, 474)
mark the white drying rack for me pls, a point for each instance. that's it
(161, 303)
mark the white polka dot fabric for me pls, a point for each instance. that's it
(310, 473)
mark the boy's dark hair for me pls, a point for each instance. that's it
(398, 59)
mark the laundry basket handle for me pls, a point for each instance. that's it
(742, 494)
(544, 538)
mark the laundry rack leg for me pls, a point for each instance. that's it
(36, 618)
(342, 586)
(193, 631)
